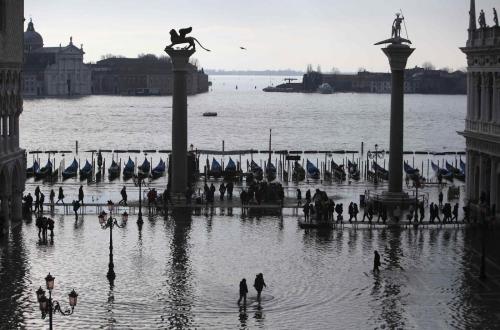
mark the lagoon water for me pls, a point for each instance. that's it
(183, 271)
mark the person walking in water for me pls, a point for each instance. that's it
(52, 196)
(259, 284)
(243, 291)
(123, 192)
(60, 196)
(80, 195)
(376, 262)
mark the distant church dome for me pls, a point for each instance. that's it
(32, 39)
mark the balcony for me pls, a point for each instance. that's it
(482, 127)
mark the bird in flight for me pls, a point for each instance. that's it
(243, 48)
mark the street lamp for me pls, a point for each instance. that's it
(138, 182)
(106, 223)
(375, 155)
(50, 307)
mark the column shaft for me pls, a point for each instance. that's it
(179, 134)
(396, 135)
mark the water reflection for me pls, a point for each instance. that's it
(179, 295)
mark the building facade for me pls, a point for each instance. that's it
(482, 124)
(53, 71)
(146, 75)
(12, 158)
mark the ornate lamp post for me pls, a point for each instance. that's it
(375, 155)
(138, 182)
(106, 223)
(50, 307)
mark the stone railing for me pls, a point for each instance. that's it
(482, 127)
(484, 37)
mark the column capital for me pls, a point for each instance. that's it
(180, 58)
(398, 55)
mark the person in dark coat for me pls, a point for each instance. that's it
(455, 213)
(440, 198)
(222, 191)
(80, 195)
(350, 210)
(376, 262)
(52, 196)
(259, 284)
(76, 207)
(39, 225)
(212, 192)
(123, 192)
(308, 196)
(50, 226)
(42, 200)
(305, 209)
(299, 197)
(243, 291)
(37, 198)
(60, 196)
(229, 188)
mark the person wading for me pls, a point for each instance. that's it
(259, 284)
(376, 262)
(243, 291)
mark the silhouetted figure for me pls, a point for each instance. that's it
(455, 212)
(308, 196)
(243, 291)
(482, 19)
(60, 196)
(440, 198)
(229, 188)
(305, 209)
(76, 207)
(436, 212)
(212, 192)
(421, 208)
(37, 198)
(42, 200)
(29, 202)
(376, 262)
(52, 196)
(50, 226)
(259, 284)
(39, 225)
(299, 197)
(123, 192)
(222, 191)
(355, 211)
(80, 195)
(350, 211)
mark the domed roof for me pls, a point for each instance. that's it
(32, 39)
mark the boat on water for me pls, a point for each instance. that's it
(71, 170)
(382, 173)
(270, 171)
(338, 171)
(159, 170)
(45, 171)
(444, 173)
(114, 170)
(86, 171)
(353, 170)
(230, 172)
(210, 114)
(457, 173)
(312, 170)
(143, 170)
(298, 174)
(30, 171)
(215, 169)
(128, 169)
(256, 172)
(325, 88)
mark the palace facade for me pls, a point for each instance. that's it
(12, 158)
(482, 124)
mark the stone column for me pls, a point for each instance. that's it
(483, 114)
(5, 136)
(493, 182)
(16, 132)
(12, 133)
(179, 179)
(398, 55)
(470, 102)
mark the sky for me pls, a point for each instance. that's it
(278, 34)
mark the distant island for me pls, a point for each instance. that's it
(286, 72)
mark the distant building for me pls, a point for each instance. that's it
(53, 71)
(12, 158)
(417, 81)
(147, 75)
(482, 124)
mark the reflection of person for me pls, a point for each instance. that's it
(243, 291)
(259, 284)
(376, 262)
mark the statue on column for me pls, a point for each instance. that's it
(396, 26)
(495, 17)
(180, 38)
(482, 20)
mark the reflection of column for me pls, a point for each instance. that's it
(180, 64)
(398, 55)
(17, 212)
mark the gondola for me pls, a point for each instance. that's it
(312, 170)
(30, 171)
(353, 170)
(381, 172)
(462, 166)
(256, 171)
(457, 174)
(128, 169)
(338, 171)
(445, 174)
(86, 171)
(44, 172)
(230, 172)
(71, 170)
(270, 171)
(215, 169)
(298, 174)
(159, 170)
(114, 170)
(410, 171)
(143, 170)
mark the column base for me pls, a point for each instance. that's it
(395, 203)
(178, 198)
